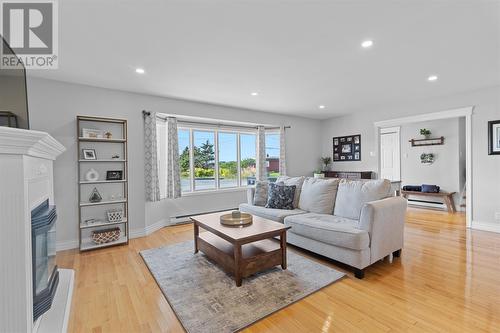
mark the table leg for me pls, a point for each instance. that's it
(237, 260)
(196, 233)
(452, 204)
(283, 249)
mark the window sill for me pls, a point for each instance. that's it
(215, 191)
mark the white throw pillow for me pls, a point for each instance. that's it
(290, 181)
(261, 192)
(318, 195)
(353, 194)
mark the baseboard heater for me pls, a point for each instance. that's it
(183, 219)
(426, 203)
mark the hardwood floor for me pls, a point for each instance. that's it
(446, 280)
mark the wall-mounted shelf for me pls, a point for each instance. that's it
(427, 142)
(102, 148)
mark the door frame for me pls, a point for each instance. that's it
(387, 130)
(452, 113)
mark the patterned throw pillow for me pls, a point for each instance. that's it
(280, 196)
(260, 195)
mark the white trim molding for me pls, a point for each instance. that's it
(485, 226)
(17, 141)
(466, 112)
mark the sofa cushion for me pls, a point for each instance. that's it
(260, 194)
(318, 195)
(280, 196)
(290, 181)
(329, 229)
(353, 194)
(277, 215)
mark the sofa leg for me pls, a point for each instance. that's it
(397, 253)
(359, 273)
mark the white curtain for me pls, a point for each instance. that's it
(261, 154)
(173, 179)
(282, 151)
(151, 179)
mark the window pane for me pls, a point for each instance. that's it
(204, 160)
(272, 155)
(183, 135)
(228, 160)
(248, 157)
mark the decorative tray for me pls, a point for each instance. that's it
(236, 219)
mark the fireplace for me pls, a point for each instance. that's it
(45, 273)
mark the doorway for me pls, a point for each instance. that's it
(390, 154)
(388, 150)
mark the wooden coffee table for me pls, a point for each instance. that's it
(241, 251)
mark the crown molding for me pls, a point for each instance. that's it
(15, 141)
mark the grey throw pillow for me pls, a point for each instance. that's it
(260, 195)
(280, 196)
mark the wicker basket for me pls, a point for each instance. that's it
(115, 215)
(106, 235)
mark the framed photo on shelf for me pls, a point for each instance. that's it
(494, 137)
(89, 154)
(114, 175)
(347, 148)
(92, 133)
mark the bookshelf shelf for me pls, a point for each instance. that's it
(86, 209)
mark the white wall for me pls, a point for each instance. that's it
(485, 168)
(53, 108)
(445, 171)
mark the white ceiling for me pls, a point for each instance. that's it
(296, 54)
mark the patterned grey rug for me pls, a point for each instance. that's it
(206, 299)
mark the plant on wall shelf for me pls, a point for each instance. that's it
(425, 132)
(427, 158)
(326, 162)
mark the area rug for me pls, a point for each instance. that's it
(205, 299)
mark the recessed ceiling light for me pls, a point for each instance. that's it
(321, 106)
(432, 78)
(367, 43)
(140, 70)
(254, 93)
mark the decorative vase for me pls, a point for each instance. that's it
(92, 175)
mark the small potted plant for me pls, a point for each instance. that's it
(425, 132)
(326, 162)
(318, 174)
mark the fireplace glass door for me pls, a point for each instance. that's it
(45, 274)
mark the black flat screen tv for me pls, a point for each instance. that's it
(13, 93)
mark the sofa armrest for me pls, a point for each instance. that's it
(250, 195)
(384, 220)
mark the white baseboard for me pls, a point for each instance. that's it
(156, 226)
(486, 226)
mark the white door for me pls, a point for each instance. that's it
(390, 153)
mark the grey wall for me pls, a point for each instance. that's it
(445, 171)
(485, 169)
(54, 106)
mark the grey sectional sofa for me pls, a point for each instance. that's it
(356, 222)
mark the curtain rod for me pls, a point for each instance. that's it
(147, 113)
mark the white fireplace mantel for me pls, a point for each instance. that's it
(26, 180)
(16, 141)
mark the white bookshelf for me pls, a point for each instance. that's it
(114, 192)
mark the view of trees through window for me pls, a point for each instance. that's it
(202, 160)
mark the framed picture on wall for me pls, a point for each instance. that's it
(494, 137)
(347, 148)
